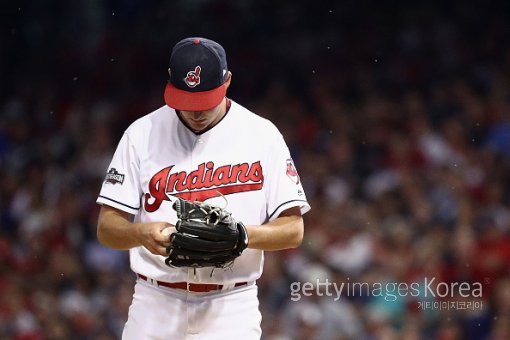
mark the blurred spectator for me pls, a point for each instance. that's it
(398, 116)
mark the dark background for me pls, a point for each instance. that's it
(397, 115)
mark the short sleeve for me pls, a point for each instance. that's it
(121, 187)
(283, 188)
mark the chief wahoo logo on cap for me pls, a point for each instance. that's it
(193, 77)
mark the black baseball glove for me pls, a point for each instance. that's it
(206, 236)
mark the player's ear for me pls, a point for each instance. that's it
(229, 77)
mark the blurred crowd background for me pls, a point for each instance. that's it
(397, 116)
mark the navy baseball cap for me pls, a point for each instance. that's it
(198, 72)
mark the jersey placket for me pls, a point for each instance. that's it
(193, 164)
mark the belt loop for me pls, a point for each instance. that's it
(148, 280)
(228, 286)
(187, 286)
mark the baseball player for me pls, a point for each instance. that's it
(200, 147)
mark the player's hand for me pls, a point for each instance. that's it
(155, 236)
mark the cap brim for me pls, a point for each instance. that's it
(194, 101)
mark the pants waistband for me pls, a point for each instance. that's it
(189, 286)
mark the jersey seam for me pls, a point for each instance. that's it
(274, 211)
(127, 206)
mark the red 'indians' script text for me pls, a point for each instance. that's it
(203, 183)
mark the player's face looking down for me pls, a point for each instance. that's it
(201, 120)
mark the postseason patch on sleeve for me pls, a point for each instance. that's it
(113, 177)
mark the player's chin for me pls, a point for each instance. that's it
(198, 124)
(199, 127)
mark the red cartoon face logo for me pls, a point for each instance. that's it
(193, 77)
(292, 172)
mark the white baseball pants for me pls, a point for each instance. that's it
(164, 313)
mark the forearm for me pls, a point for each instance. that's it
(282, 233)
(114, 230)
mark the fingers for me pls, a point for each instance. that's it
(156, 237)
(166, 234)
(157, 249)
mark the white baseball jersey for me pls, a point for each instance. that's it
(242, 163)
